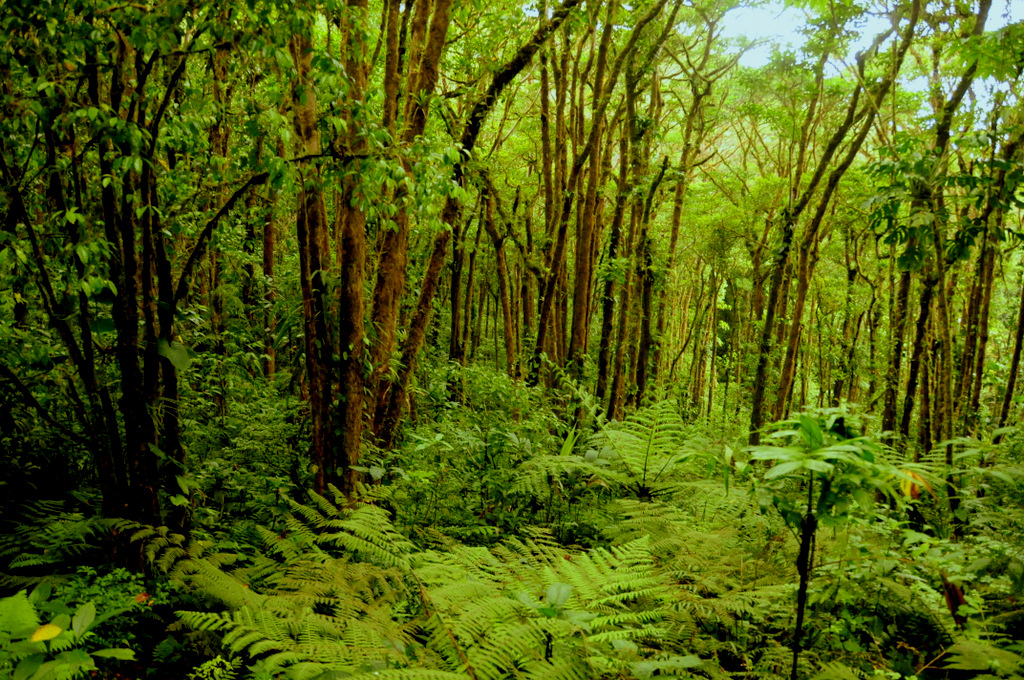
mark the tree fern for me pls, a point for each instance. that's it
(648, 444)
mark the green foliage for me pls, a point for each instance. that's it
(47, 537)
(851, 470)
(513, 533)
(62, 648)
(122, 591)
(976, 656)
(693, 578)
(646, 445)
(217, 668)
(340, 590)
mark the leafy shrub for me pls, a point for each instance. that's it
(63, 647)
(121, 591)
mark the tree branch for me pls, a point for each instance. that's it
(8, 375)
(204, 237)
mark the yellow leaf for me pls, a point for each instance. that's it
(45, 632)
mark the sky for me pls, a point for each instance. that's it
(778, 24)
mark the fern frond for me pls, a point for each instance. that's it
(410, 674)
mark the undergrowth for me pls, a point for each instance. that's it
(500, 542)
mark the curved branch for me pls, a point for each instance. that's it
(204, 237)
(8, 375)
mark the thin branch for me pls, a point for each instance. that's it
(204, 237)
(8, 375)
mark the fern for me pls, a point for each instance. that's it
(217, 668)
(319, 595)
(648, 445)
(690, 572)
(501, 608)
(48, 538)
(340, 590)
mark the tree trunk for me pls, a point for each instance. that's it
(764, 350)
(624, 349)
(844, 369)
(608, 295)
(558, 254)
(498, 241)
(809, 244)
(269, 244)
(930, 197)
(456, 348)
(393, 398)
(677, 212)
(925, 426)
(1011, 378)
(970, 420)
(425, 55)
(645, 262)
(471, 337)
(920, 343)
(897, 334)
(352, 266)
(311, 225)
(588, 216)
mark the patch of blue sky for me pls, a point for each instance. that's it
(775, 24)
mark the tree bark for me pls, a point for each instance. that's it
(920, 343)
(352, 265)
(1011, 378)
(809, 244)
(587, 234)
(608, 295)
(645, 262)
(558, 254)
(392, 399)
(311, 227)
(425, 55)
(269, 245)
(498, 241)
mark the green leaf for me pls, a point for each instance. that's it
(40, 594)
(122, 654)
(84, 617)
(835, 671)
(1000, 475)
(977, 656)
(774, 453)
(784, 469)
(28, 667)
(569, 444)
(811, 432)
(863, 498)
(558, 594)
(175, 352)
(76, 660)
(820, 466)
